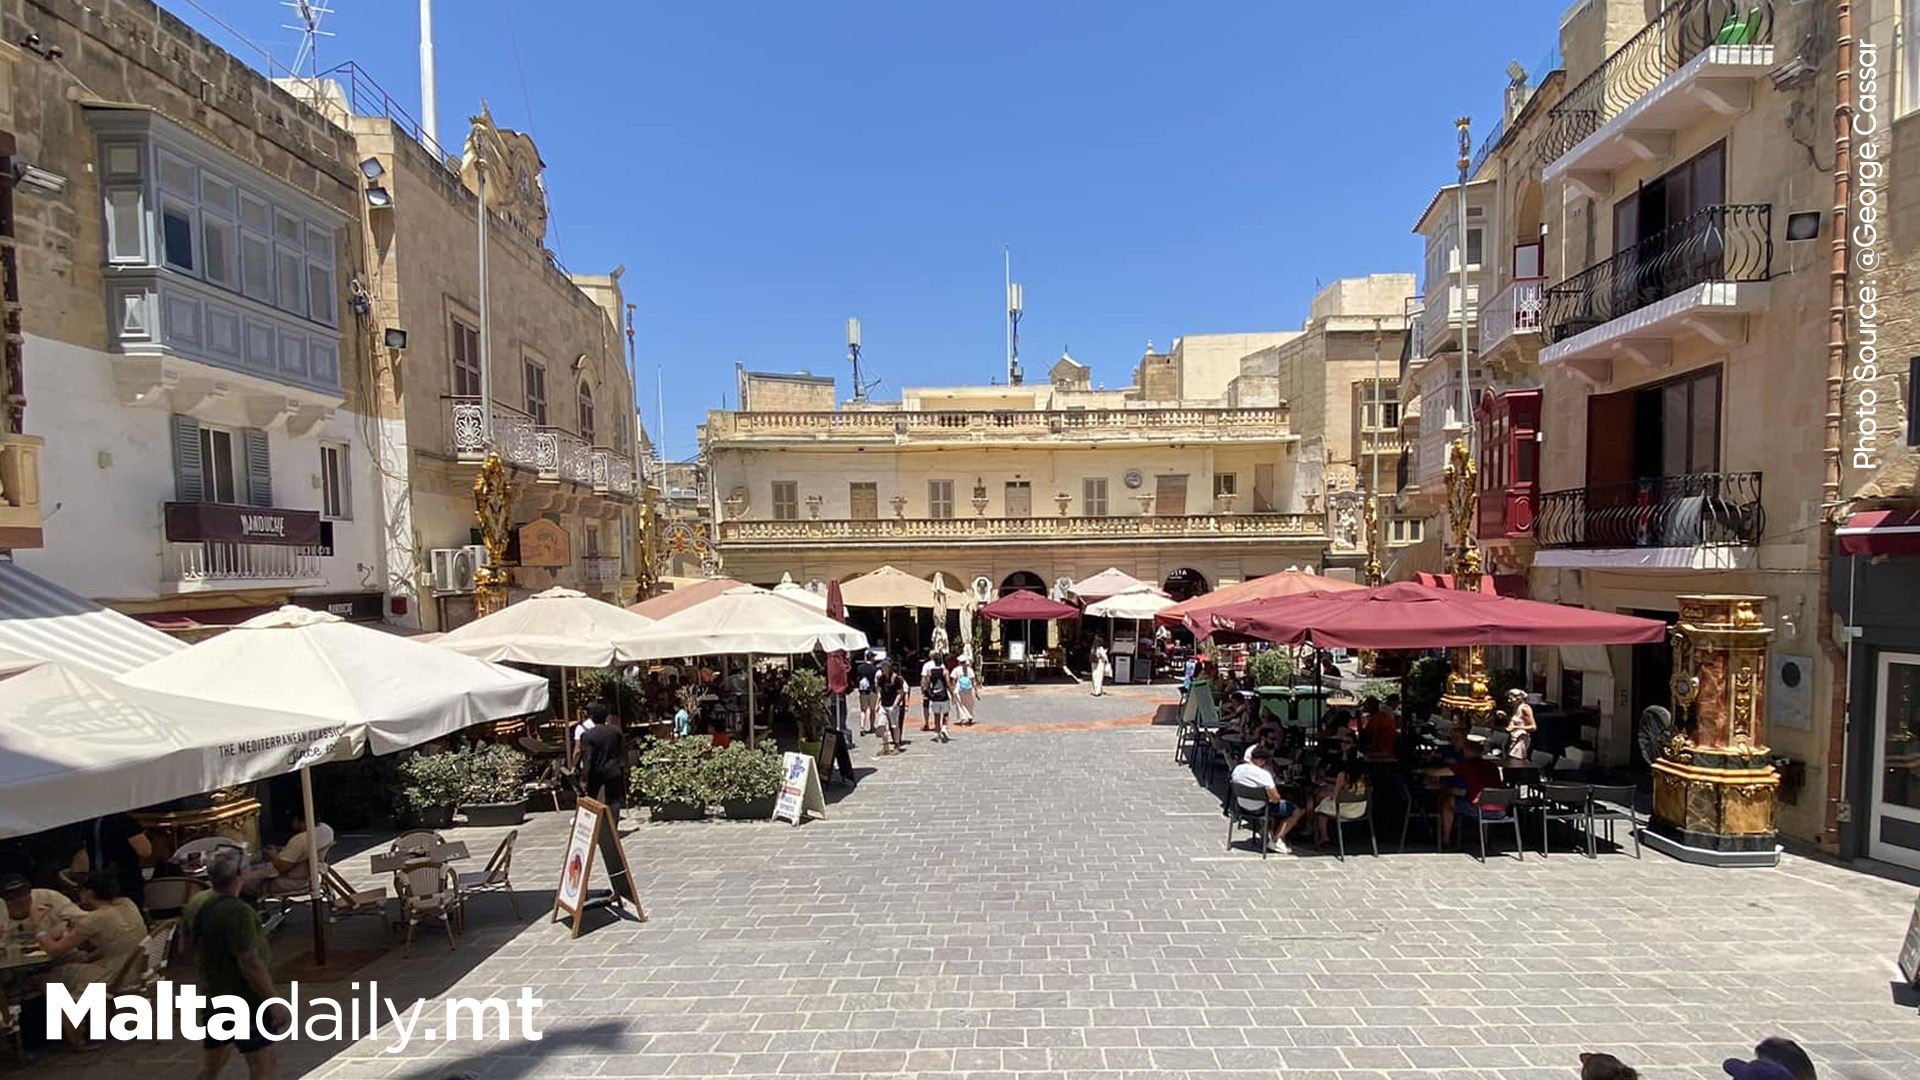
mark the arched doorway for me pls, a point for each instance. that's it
(1023, 581)
(1185, 584)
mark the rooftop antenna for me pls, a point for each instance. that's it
(860, 387)
(1016, 306)
(309, 12)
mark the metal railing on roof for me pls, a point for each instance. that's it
(365, 97)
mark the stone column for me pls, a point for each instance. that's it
(1714, 782)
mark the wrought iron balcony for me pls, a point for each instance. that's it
(1694, 510)
(1672, 38)
(552, 453)
(1715, 244)
(1513, 310)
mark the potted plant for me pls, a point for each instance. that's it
(744, 780)
(1274, 667)
(493, 785)
(806, 701)
(431, 785)
(672, 779)
(1426, 681)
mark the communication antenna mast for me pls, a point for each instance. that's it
(1016, 306)
(860, 387)
(309, 12)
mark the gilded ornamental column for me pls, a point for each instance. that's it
(1714, 781)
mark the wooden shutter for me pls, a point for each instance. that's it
(259, 469)
(189, 472)
(1170, 495)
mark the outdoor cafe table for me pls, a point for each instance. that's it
(394, 862)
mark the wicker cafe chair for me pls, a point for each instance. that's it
(497, 877)
(429, 890)
(344, 901)
(144, 967)
(1239, 816)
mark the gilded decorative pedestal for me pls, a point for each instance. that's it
(231, 812)
(1467, 702)
(1714, 784)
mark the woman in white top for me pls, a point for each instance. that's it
(98, 944)
(1099, 667)
(966, 690)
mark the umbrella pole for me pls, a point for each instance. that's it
(753, 736)
(315, 884)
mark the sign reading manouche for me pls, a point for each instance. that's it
(592, 834)
(544, 543)
(228, 524)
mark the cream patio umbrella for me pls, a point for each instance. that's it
(746, 621)
(1109, 582)
(559, 627)
(393, 692)
(1141, 601)
(799, 594)
(887, 587)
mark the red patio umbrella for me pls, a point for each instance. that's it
(1405, 615)
(1028, 605)
(1284, 583)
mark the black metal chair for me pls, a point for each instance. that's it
(1611, 803)
(1253, 820)
(1339, 819)
(1419, 803)
(1498, 806)
(1561, 802)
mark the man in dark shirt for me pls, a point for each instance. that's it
(117, 845)
(1476, 774)
(603, 764)
(893, 706)
(230, 950)
(866, 681)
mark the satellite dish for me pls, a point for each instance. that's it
(1656, 730)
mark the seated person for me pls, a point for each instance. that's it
(717, 728)
(1233, 711)
(1345, 770)
(1378, 728)
(1282, 816)
(1475, 774)
(30, 910)
(1268, 739)
(285, 871)
(98, 944)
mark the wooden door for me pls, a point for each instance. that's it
(1170, 495)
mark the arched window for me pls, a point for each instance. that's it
(1185, 584)
(1023, 581)
(586, 413)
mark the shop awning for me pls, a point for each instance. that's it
(1513, 585)
(1881, 532)
(39, 618)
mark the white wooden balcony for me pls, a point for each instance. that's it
(1513, 312)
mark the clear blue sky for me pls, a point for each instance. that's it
(765, 170)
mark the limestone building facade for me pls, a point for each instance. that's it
(188, 349)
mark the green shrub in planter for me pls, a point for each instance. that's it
(745, 781)
(430, 783)
(1274, 667)
(806, 701)
(673, 773)
(1426, 681)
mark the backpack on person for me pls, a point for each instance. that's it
(937, 684)
(866, 685)
(966, 683)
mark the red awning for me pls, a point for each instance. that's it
(1513, 585)
(210, 618)
(1282, 583)
(1028, 605)
(1881, 532)
(1412, 616)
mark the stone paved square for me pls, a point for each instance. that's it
(1049, 897)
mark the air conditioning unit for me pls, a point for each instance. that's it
(453, 570)
(478, 553)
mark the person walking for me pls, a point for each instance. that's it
(1520, 726)
(839, 684)
(926, 703)
(938, 691)
(230, 951)
(893, 707)
(603, 764)
(966, 690)
(867, 680)
(1099, 667)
